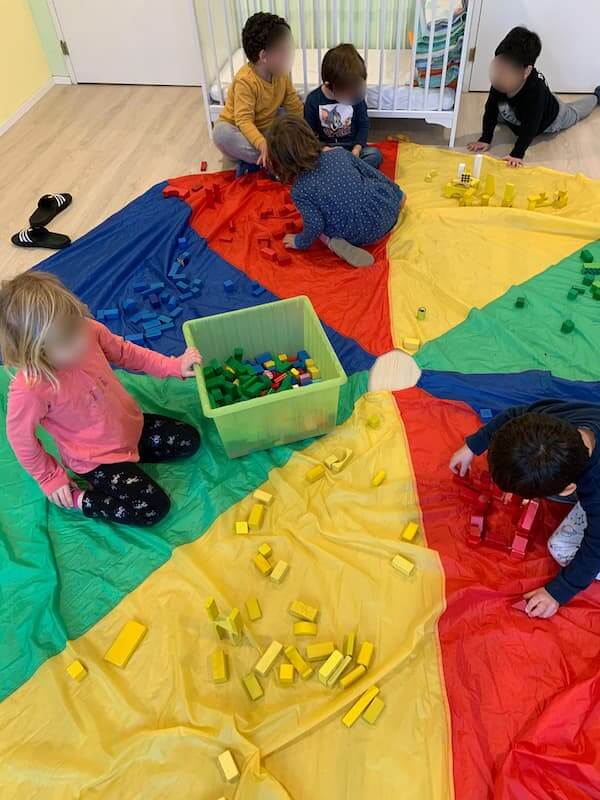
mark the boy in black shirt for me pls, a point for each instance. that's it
(336, 110)
(549, 448)
(520, 98)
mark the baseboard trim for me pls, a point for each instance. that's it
(29, 104)
(62, 79)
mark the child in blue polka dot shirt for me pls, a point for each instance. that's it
(343, 201)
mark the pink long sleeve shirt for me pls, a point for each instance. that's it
(91, 417)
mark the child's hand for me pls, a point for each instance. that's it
(188, 359)
(511, 161)
(356, 150)
(460, 462)
(289, 240)
(263, 158)
(62, 497)
(478, 147)
(540, 603)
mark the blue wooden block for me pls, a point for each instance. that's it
(183, 285)
(136, 338)
(164, 319)
(143, 314)
(229, 286)
(167, 325)
(260, 359)
(153, 333)
(258, 291)
(174, 270)
(108, 313)
(196, 290)
(129, 305)
(150, 323)
(139, 286)
(182, 241)
(303, 355)
(256, 369)
(154, 300)
(100, 315)
(185, 295)
(164, 296)
(486, 414)
(197, 282)
(176, 312)
(172, 302)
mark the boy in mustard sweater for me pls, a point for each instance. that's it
(259, 89)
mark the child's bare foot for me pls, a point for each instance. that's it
(355, 256)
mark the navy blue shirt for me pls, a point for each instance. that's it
(337, 123)
(345, 198)
(584, 567)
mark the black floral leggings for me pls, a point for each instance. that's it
(123, 492)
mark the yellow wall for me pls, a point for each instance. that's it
(23, 67)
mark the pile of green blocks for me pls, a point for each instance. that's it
(236, 380)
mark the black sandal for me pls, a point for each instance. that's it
(48, 207)
(40, 237)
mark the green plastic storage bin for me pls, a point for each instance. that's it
(285, 326)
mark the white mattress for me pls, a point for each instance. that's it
(387, 86)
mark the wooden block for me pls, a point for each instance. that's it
(378, 479)
(253, 609)
(412, 345)
(403, 565)
(211, 608)
(235, 622)
(302, 610)
(410, 531)
(352, 676)
(262, 565)
(280, 570)
(361, 705)
(268, 658)
(340, 669)
(330, 666)
(330, 461)
(126, 643)
(219, 666)
(373, 710)
(252, 686)
(265, 550)
(349, 644)
(341, 462)
(293, 656)
(304, 628)
(365, 654)
(267, 252)
(316, 472)
(242, 527)
(256, 516)
(76, 670)
(228, 766)
(263, 497)
(286, 674)
(319, 651)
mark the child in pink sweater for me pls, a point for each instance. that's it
(64, 383)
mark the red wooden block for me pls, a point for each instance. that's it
(520, 605)
(174, 191)
(263, 239)
(266, 213)
(519, 546)
(231, 225)
(198, 187)
(216, 190)
(203, 166)
(279, 233)
(285, 210)
(284, 258)
(268, 253)
(209, 201)
(475, 535)
(527, 518)
(226, 238)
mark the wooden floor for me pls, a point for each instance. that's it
(107, 144)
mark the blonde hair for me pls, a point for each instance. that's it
(30, 305)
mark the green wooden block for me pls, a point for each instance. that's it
(208, 373)
(587, 256)
(216, 366)
(520, 302)
(572, 294)
(567, 326)
(286, 383)
(238, 353)
(215, 383)
(579, 289)
(587, 280)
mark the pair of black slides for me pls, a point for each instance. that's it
(37, 235)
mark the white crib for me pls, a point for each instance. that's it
(415, 50)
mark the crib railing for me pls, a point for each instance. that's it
(424, 28)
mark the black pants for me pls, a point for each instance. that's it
(123, 492)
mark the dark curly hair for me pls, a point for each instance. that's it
(261, 32)
(521, 47)
(536, 455)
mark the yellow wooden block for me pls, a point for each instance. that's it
(349, 644)
(269, 364)
(219, 666)
(314, 473)
(379, 478)
(341, 462)
(262, 565)
(310, 362)
(295, 372)
(330, 666)
(314, 372)
(319, 651)
(509, 195)
(330, 461)
(302, 610)
(304, 628)
(403, 565)
(361, 704)
(373, 422)
(286, 674)
(365, 654)
(282, 357)
(265, 550)
(293, 656)
(253, 609)
(242, 527)
(263, 497)
(235, 623)
(352, 676)
(76, 670)
(252, 686)
(490, 185)
(411, 344)
(279, 571)
(228, 766)
(126, 643)
(211, 608)
(339, 670)
(227, 368)
(484, 200)
(268, 658)
(410, 531)
(373, 710)
(256, 516)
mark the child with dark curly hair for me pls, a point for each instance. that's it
(259, 90)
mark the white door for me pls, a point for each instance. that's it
(132, 41)
(569, 34)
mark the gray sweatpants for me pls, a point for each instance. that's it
(233, 144)
(568, 113)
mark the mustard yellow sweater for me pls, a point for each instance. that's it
(252, 103)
